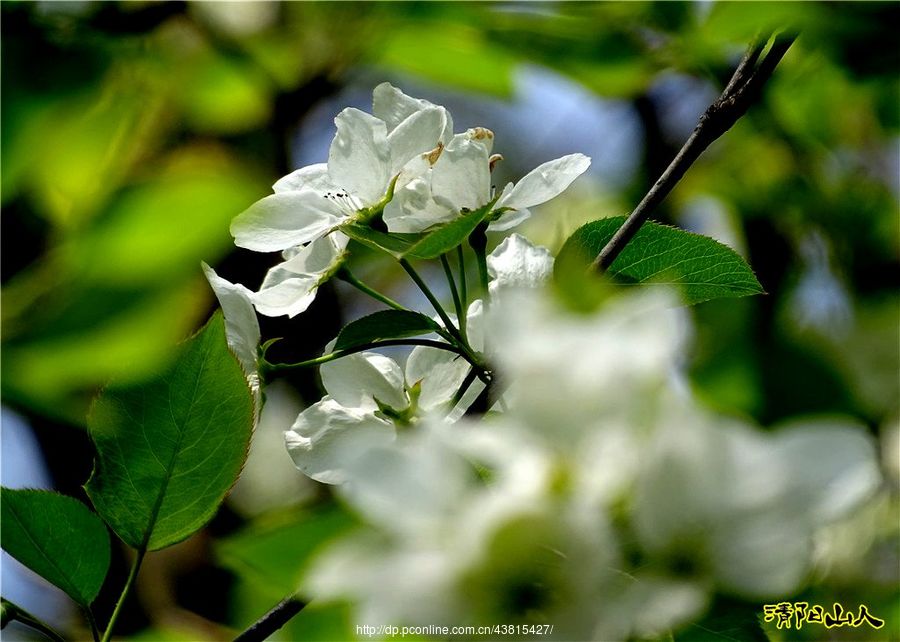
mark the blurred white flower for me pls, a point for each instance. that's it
(603, 500)
(368, 155)
(572, 371)
(463, 550)
(742, 505)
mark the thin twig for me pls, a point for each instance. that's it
(463, 293)
(431, 298)
(457, 304)
(739, 94)
(382, 343)
(273, 620)
(345, 275)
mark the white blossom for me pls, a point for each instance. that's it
(462, 550)
(367, 395)
(745, 504)
(460, 180)
(520, 517)
(367, 156)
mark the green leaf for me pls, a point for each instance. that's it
(393, 243)
(169, 450)
(699, 266)
(446, 237)
(57, 537)
(386, 324)
(274, 552)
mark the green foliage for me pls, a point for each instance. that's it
(427, 245)
(169, 450)
(58, 538)
(386, 324)
(273, 554)
(700, 267)
(455, 55)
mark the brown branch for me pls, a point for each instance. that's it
(739, 94)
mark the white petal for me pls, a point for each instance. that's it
(241, 324)
(546, 181)
(327, 437)
(414, 210)
(359, 159)
(393, 107)
(516, 262)
(290, 287)
(314, 177)
(418, 134)
(475, 324)
(284, 220)
(833, 466)
(508, 220)
(760, 556)
(468, 398)
(462, 174)
(412, 487)
(357, 379)
(440, 372)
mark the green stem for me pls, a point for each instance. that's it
(478, 241)
(132, 576)
(337, 354)
(463, 294)
(464, 348)
(345, 275)
(13, 611)
(457, 304)
(431, 299)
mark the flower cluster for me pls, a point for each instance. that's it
(401, 163)
(604, 500)
(594, 493)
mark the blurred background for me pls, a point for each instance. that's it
(133, 132)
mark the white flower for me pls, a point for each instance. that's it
(575, 372)
(367, 156)
(511, 519)
(442, 372)
(367, 393)
(744, 505)
(461, 179)
(241, 326)
(462, 549)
